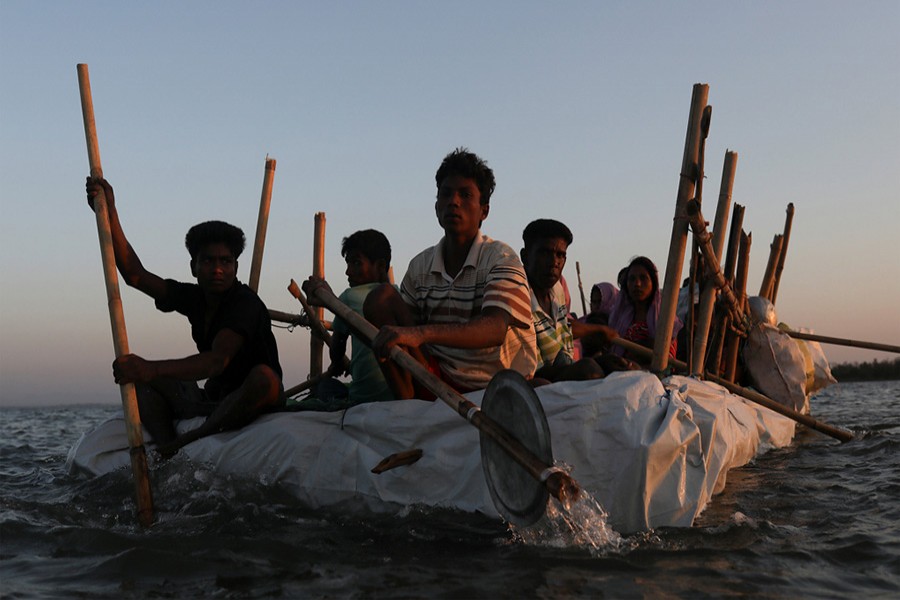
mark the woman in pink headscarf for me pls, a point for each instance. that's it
(636, 309)
(603, 297)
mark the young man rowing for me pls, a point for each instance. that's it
(236, 351)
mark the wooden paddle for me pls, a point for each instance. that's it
(116, 315)
(842, 342)
(753, 396)
(559, 483)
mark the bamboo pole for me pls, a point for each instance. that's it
(286, 317)
(788, 220)
(580, 287)
(753, 396)
(262, 222)
(765, 288)
(316, 344)
(734, 242)
(714, 362)
(692, 282)
(305, 385)
(708, 295)
(690, 170)
(143, 494)
(294, 319)
(843, 341)
(740, 285)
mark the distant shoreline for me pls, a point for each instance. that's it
(885, 370)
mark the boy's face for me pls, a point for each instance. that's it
(361, 270)
(215, 268)
(544, 260)
(458, 207)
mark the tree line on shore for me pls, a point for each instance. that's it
(867, 371)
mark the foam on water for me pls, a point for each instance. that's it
(579, 523)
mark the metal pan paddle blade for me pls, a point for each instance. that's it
(511, 402)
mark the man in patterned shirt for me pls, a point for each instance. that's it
(463, 307)
(544, 256)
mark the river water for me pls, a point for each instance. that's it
(817, 519)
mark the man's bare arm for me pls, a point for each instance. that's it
(484, 331)
(127, 261)
(131, 368)
(580, 330)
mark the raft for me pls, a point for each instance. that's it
(653, 453)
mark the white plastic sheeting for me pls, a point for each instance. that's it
(652, 454)
(777, 366)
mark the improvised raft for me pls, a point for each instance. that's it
(652, 448)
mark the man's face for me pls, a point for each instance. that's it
(215, 268)
(544, 260)
(360, 269)
(458, 206)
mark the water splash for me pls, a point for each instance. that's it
(582, 523)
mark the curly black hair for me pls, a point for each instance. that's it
(541, 229)
(463, 163)
(214, 232)
(370, 243)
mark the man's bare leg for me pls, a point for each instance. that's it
(261, 392)
(156, 412)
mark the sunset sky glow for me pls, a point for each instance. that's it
(579, 107)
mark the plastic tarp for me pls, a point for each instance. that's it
(777, 366)
(652, 453)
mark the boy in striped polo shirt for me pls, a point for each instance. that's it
(463, 307)
(544, 256)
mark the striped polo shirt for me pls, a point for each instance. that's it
(492, 276)
(554, 335)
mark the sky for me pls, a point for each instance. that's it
(580, 108)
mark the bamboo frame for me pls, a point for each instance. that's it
(143, 494)
(690, 170)
(262, 222)
(714, 272)
(708, 295)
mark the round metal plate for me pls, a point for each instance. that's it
(511, 402)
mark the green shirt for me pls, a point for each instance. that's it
(367, 381)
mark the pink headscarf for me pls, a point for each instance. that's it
(608, 293)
